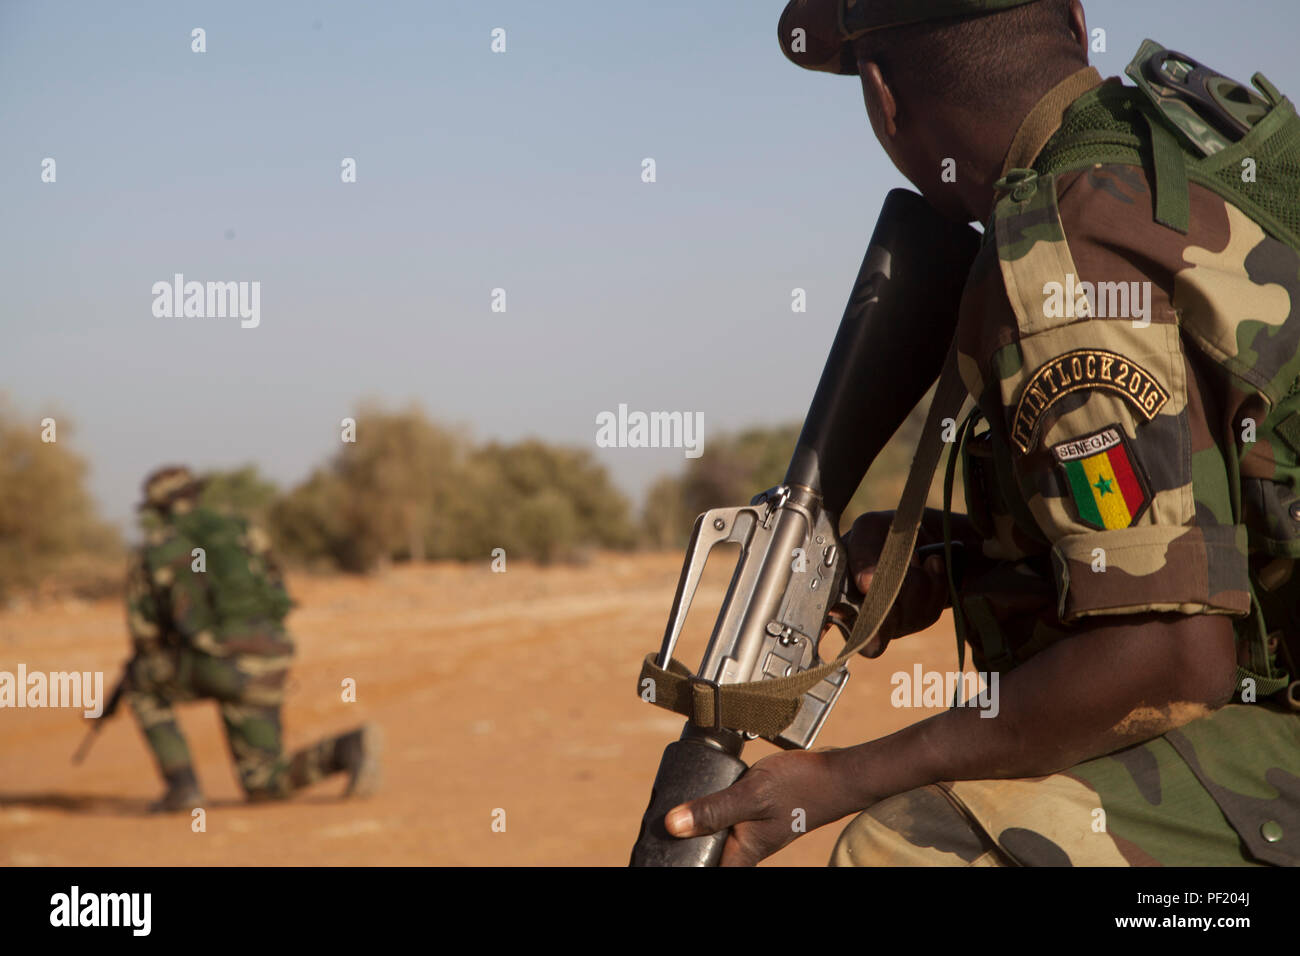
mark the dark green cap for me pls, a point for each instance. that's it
(830, 26)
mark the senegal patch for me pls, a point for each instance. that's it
(1108, 485)
(1075, 371)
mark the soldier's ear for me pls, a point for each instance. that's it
(882, 108)
(1079, 26)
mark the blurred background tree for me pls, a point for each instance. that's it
(379, 499)
(736, 467)
(550, 503)
(242, 491)
(409, 489)
(47, 518)
(310, 526)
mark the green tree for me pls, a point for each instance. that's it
(601, 515)
(409, 489)
(240, 490)
(736, 467)
(46, 514)
(382, 497)
(316, 525)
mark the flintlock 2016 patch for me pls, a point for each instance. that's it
(1109, 488)
(1075, 371)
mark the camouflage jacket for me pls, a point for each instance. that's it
(1139, 389)
(207, 582)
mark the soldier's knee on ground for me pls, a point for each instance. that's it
(254, 736)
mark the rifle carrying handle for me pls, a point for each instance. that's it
(690, 769)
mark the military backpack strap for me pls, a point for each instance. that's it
(767, 707)
(1169, 168)
(1180, 140)
(1044, 120)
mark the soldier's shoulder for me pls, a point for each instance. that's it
(1111, 209)
(166, 544)
(1094, 230)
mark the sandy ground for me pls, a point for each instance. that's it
(511, 691)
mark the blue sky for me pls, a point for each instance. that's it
(475, 171)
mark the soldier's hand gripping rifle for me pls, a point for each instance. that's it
(110, 708)
(792, 571)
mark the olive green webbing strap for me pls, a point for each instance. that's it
(958, 616)
(767, 707)
(1266, 683)
(1042, 122)
(1173, 191)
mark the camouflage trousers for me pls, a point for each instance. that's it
(249, 690)
(1221, 791)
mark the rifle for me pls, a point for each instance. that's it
(114, 700)
(888, 351)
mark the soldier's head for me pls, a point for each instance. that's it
(170, 490)
(943, 79)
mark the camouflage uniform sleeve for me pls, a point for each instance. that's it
(1119, 427)
(143, 621)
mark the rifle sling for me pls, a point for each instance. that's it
(767, 707)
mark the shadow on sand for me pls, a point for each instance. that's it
(98, 804)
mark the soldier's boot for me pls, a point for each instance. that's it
(357, 754)
(183, 793)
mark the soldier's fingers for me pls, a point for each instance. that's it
(745, 847)
(863, 580)
(710, 814)
(871, 525)
(866, 538)
(932, 583)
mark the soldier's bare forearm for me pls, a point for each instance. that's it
(1110, 686)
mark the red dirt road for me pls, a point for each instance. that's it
(511, 691)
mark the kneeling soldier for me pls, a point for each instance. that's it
(205, 608)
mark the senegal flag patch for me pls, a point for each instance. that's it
(1109, 489)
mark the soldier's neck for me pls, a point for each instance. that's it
(1017, 139)
(984, 144)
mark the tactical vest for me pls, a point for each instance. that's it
(1180, 142)
(243, 592)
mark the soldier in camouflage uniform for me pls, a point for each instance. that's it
(1132, 469)
(205, 605)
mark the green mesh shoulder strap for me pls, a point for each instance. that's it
(1123, 124)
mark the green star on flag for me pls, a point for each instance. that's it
(1103, 486)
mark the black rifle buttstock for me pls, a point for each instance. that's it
(690, 769)
(889, 348)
